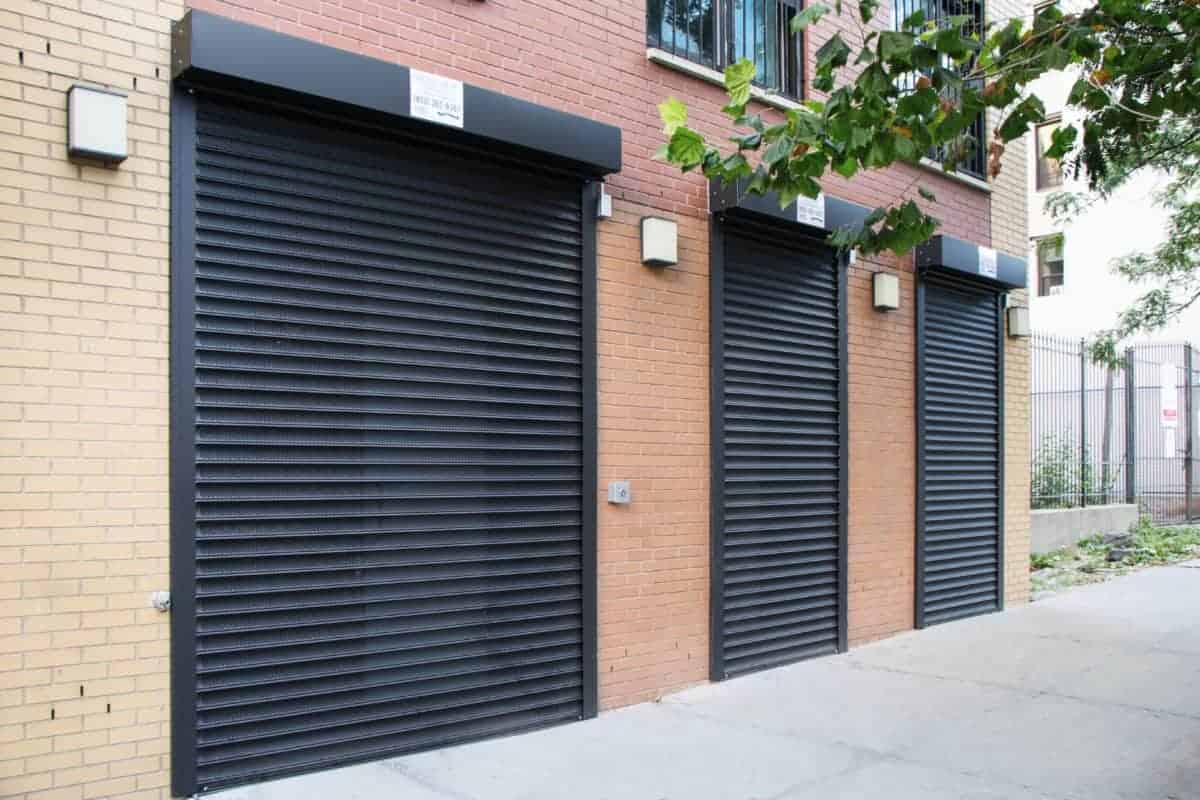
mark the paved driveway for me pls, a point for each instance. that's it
(1092, 694)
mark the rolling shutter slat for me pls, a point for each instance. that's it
(780, 506)
(389, 446)
(961, 450)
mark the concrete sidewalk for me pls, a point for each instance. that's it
(1092, 694)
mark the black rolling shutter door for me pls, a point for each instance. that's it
(960, 494)
(388, 454)
(778, 501)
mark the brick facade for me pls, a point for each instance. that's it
(83, 395)
(653, 431)
(1010, 222)
(83, 364)
(883, 441)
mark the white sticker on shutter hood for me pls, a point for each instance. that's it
(811, 210)
(987, 262)
(435, 98)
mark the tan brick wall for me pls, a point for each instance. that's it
(1010, 223)
(1010, 198)
(83, 399)
(1016, 465)
(1010, 189)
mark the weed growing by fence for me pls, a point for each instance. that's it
(1061, 478)
(1097, 558)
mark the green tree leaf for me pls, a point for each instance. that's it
(673, 113)
(737, 82)
(747, 141)
(847, 167)
(906, 149)
(914, 21)
(686, 148)
(759, 181)
(778, 151)
(735, 166)
(1062, 141)
(895, 45)
(951, 42)
(834, 53)
(1027, 112)
(808, 16)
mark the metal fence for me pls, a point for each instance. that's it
(1114, 435)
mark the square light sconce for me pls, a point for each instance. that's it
(660, 242)
(96, 127)
(603, 204)
(1018, 322)
(885, 291)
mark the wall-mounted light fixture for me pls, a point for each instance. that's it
(660, 242)
(885, 291)
(1018, 322)
(96, 124)
(603, 204)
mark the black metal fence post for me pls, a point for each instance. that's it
(1130, 427)
(1189, 471)
(1084, 480)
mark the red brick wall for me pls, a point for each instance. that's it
(589, 58)
(653, 386)
(882, 512)
(584, 57)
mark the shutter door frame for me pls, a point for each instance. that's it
(718, 224)
(947, 276)
(182, 427)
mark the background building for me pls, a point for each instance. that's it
(1074, 290)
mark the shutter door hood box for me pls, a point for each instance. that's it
(839, 213)
(215, 51)
(963, 258)
(945, 252)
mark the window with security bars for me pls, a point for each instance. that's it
(940, 13)
(1050, 265)
(716, 33)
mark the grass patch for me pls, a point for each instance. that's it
(1096, 558)
(1046, 560)
(1154, 545)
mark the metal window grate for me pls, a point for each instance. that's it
(939, 13)
(685, 28)
(716, 33)
(1051, 265)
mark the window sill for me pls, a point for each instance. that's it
(708, 75)
(976, 183)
